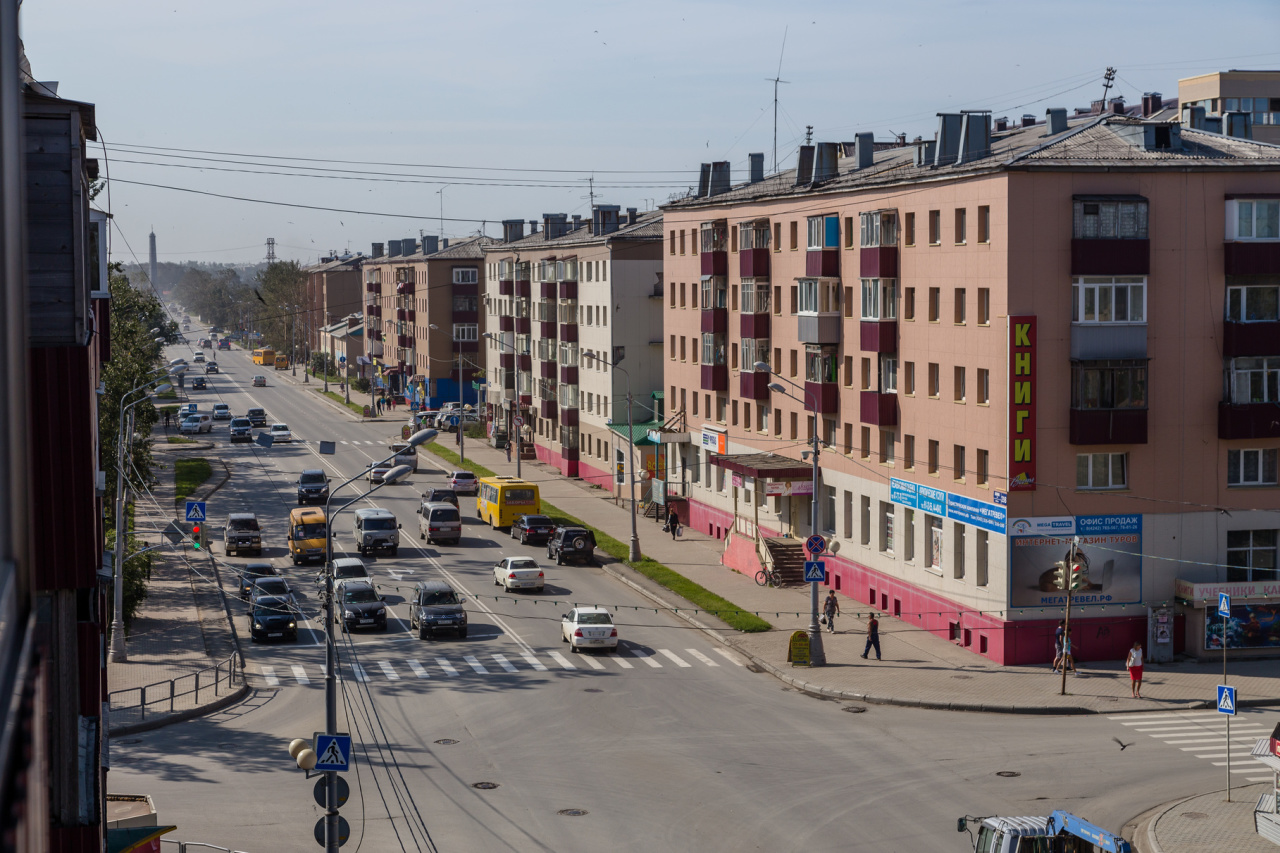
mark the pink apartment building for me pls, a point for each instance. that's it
(1011, 337)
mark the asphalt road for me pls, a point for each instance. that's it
(669, 744)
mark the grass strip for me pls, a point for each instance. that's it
(178, 439)
(189, 475)
(358, 408)
(697, 594)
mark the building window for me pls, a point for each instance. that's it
(984, 466)
(866, 375)
(935, 304)
(465, 303)
(865, 520)
(754, 350)
(933, 457)
(984, 386)
(777, 236)
(733, 239)
(672, 241)
(886, 527)
(1115, 384)
(733, 411)
(712, 348)
(984, 224)
(909, 379)
(908, 534)
(909, 229)
(1102, 471)
(821, 364)
(714, 292)
(935, 227)
(1260, 304)
(957, 462)
(864, 448)
(721, 408)
(1121, 299)
(1109, 220)
(1257, 220)
(957, 548)
(982, 559)
(1251, 555)
(888, 374)
(960, 307)
(879, 299)
(762, 418)
(795, 371)
(935, 382)
(818, 297)
(1254, 380)
(887, 437)
(466, 332)
(795, 426)
(878, 228)
(958, 385)
(909, 452)
(909, 304)
(795, 235)
(755, 297)
(933, 540)
(984, 306)
(1251, 467)
(466, 275)
(961, 225)
(824, 232)
(829, 509)
(682, 239)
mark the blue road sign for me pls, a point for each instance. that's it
(816, 544)
(342, 359)
(195, 511)
(815, 571)
(1226, 700)
(333, 752)
(1224, 604)
(453, 421)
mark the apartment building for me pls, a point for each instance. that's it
(1241, 98)
(333, 292)
(422, 317)
(1004, 337)
(568, 355)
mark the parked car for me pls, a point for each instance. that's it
(518, 573)
(251, 573)
(211, 367)
(195, 424)
(532, 528)
(257, 417)
(463, 482)
(358, 605)
(588, 628)
(435, 496)
(313, 486)
(436, 608)
(241, 429)
(272, 618)
(572, 543)
(439, 522)
(276, 587)
(281, 433)
(259, 381)
(199, 384)
(221, 412)
(241, 533)
(376, 529)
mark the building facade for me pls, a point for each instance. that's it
(1243, 98)
(333, 293)
(1004, 338)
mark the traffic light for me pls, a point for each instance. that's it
(1078, 577)
(197, 535)
(1060, 575)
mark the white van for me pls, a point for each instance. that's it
(194, 424)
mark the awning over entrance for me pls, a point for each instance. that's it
(764, 466)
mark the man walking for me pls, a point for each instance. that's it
(673, 522)
(508, 451)
(873, 637)
(831, 609)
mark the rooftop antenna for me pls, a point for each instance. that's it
(776, 79)
(1108, 80)
(808, 134)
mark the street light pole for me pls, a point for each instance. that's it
(633, 550)
(293, 352)
(515, 428)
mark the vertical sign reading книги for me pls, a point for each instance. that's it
(1022, 404)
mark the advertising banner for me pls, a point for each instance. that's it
(1022, 404)
(1250, 626)
(1110, 547)
(948, 505)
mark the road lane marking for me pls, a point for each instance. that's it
(675, 658)
(475, 664)
(590, 659)
(392, 675)
(269, 675)
(560, 659)
(644, 656)
(729, 656)
(361, 675)
(504, 663)
(621, 661)
(300, 674)
(534, 662)
(1209, 740)
(446, 666)
(418, 669)
(700, 656)
(1179, 715)
(344, 442)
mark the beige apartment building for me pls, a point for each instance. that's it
(1251, 97)
(1006, 338)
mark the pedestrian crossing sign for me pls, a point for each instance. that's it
(333, 752)
(1226, 700)
(196, 511)
(815, 571)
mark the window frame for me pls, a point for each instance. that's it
(466, 332)
(1090, 471)
(1104, 219)
(460, 275)
(1096, 384)
(1235, 220)
(1266, 458)
(1244, 572)
(1239, 294)
(879, 298)
(1083, 285)
(823, 232)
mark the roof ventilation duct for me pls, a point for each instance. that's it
(377, 251)
(393, 247)
(804, 166)
(719, 177)
(1238, 124)
(864, 150)
(757, 167)
(1055, 121)
(948, 148)
(512, 230)
(431, 245)
(704, 180)
(825, 164)
(975, 136)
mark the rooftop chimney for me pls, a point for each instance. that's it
(864, 150)
(577, 222)
(444, 242)
(604, 219)
(719, 177)
(1152, 103)
(377, 250)
(924, 151)
(757, 167)
(408, 247)
(1116, 106)
(975, 136)
(1028, 120)
(1055, 121)
(393, 248)
(804, 166)
(704, 180)
(431, 245)
(949, 125)
(1193, 117)
(1002, 124)
(555, 225)
(1238, 124)
(533, 227)
(633, 214)
(512, 230)
(825, 166)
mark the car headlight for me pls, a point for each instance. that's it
(382, 612)
(292, 625)
(258, 625)
(347, 614)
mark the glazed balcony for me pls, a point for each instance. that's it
(569, 289)
(569, 332)
(523, 325)
(548, 370)
(372, 287)
(524, 361)
(507, 360)
(547, 409)
(1248, 339)
(878, 409)
(753, 385)
(1248, 420)
(405, 288)
(715, 320)
(1108, 426)
(825, 395)
(548, 289)
(878, 335)
(878, 262)
(569, 374)
(547, 330)
(1251, 258)
(818, 328)
(506, 287)
(568, 417)
(506, 323)
(715, 263)
(523, 290)
(1110, 257)
(715, 377)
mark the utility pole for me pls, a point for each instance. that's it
(1067, 575)
(808, 134)
(1107, 82)
(271, 250)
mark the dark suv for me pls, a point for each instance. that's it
(313, 486)
(532, 528)
(257, 417)
(358, 605)
(435, 608)
(572, 543)
(435, 496)
(242, 533)
(250, 576)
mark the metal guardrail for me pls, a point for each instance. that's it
(221, 677)
(186, 846)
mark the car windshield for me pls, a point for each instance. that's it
(444, 515)
(221, 407)
(594, 619)
(274, 586)
(256, 412)
(242, 524)
(315, 530)
(240, 422)
(279, 428)
(379, 524)
(350, 571)
(523, 564)
(270, 607)
(463, 475)
(251, 575)
(537, 521)
(359, 596)
(312, 478)
(446, 596)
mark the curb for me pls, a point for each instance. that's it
(1153, 844)
(182, 716)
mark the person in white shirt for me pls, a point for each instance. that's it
(1134, 662)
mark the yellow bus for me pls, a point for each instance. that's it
(282, 362)
(308, 535)
(264, 356)
(501, 500)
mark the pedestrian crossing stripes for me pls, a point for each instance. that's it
(1203, 734)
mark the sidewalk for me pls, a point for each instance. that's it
(1206, 824)
(919, 669)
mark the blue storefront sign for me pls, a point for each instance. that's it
(984, 515)
(947, 505)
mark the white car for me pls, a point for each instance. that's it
(588, 628)
(280, 433)
(197, 357)
(518, 573)
(221, 412)
(259, 381)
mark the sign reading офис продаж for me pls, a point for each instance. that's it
(1109, 546)
(1022, 404)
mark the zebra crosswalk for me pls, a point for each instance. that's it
(374, 669)
(1203, 734)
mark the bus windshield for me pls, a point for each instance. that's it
(315, 530)
(520, 497)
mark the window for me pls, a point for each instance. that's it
(935, 227)
(909, 229)
(888, 374)
(866, 375)
(1101, 471)
(712, 348)
(909, 379)
(933, 457)
(887, 440)
(1254, 380)
(864, 448)
(777, 300)
(755, 297)
(984, 387)
(465, 303)
(886, 527)
(682, 241)
(984, 306)
(466, 275)
(909, 452)
(984, 467)
(957, 462)
(733, 297)
(879, 228)
(958, 385)
(1257, 220)
(734, 413)
(1251, 555)
(733, 239)
(795, 235)
(682, 349)
(848, 371)
(957, 549)
(983, 558)
(673, 347)
(1114, 384)
(715, 292)
(795, 426)
(762, 418)
(960, 306)
(879, 299)
(818, 297)
(682, 302)
(935, 381)
(984, 224)
(908, 534)
(829, 509)
(777, 236)
(933, 540)
(821, 364)
(1258, 304)
(754, 235)
(672, 241)
(1252, 467)
(466, 332)
(1109, 220)
(961, 225)
(909, 304)
(935, 304)
(1121, 299)
(754, 350)
(824, 232)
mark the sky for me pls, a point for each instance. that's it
(366, 122)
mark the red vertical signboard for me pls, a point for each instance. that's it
(1022, 403)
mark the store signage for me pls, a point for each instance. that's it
(776, 488)
(1022, 403)
(947, 505)
(1201, 592)
(715, 441)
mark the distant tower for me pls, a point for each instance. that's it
(153, 257)
(271, 250)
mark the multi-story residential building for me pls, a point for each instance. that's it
(422, 317)
(1003, 337)
(1243, 98)
(333, 293)
(569, 353)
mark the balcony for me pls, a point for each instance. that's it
(753, 385)
(754, 325)
(822, 263)
(878, 262)
(1108, 426)
(524, 290)
(524, 361)
(548, 331)
(404, 341)
(715, 263)
(1246, 339)
(715, 377)
(569, 290)
(753, 263)
(523, 325)
(406, 315)
(372, 287)
(1248, 420)
(819, 328)
(878, 335)
(548, 370)
(1251, 258)
(569, 374)
(568, 417)
(506, 323)
(507, 360)
(547, 408)
(715, 320)
(1108, 340)
(878, 409)
(466, 346)
(506, 287)
(405, 288)
(547, 289)
(825, 395)
(569, 332)
(1110, 257)
(525, 401)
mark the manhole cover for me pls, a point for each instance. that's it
(446, 741)
(1194, 815)
(962, 676)
(855, 709)
(484, 786)
(592, 690)
(572, 812)
(130, 740)
(1008, 774)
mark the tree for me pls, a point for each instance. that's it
(283, 288)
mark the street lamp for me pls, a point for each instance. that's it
(633, 552)
(515, 427)
(817, 655)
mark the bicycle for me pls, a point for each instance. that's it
(770, 577)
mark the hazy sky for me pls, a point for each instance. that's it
(482, 96)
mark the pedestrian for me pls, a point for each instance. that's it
(1057, 644)
(1134, 663)
(1068, 662)
(673, 522)
(508, 451)
(831, 609)
(166, 419)
(873, 637)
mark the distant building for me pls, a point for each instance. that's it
(1252, 96)
(333, 291)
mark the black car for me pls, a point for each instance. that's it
(241, 429)
(436, 608)
(275, 587)
(313, 486)
(257, 417)
(198, 384)
(211, 367)
(359, 606)
(572, 543)
(435, 496)
(532, 528)
(272, 618)
(251, 573)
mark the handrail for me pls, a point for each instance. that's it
(222, 670)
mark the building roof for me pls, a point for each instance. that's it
(648, 227)
(764, 466)
(639, 432)
(470, 249)
(349, 262)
